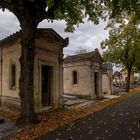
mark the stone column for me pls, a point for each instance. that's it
(1, 55)
(61, 88)
(99, 82)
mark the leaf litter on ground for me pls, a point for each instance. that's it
(53, 119)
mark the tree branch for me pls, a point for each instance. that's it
(7, 5)
(46, 15)
(13, 6)
(50, 14)
(16, 6)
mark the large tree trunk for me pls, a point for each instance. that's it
(128, 80)
(26, 81)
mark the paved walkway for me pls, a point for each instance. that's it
(73, 101)
(7, 127)
(120, 121)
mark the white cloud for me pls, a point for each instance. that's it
(87, 36)
(8, 24)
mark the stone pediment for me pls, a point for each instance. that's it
(52, 35)
(90, 56)
(97, 57)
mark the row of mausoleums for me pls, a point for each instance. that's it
(83, 73)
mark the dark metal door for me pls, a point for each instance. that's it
(46, 78)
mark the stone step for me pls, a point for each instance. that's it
(71, 97)
(86, 103)
(72, 102)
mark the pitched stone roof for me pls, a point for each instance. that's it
(47, 33)
(10, 39)
(94, 55)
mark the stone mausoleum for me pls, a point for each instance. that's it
(48, 70)
(83, 74)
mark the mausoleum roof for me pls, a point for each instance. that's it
(94, 55)
(47, 33)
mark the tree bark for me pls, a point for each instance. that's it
(26, 81)
(128, 80)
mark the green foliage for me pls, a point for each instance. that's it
(72, 11)
(7, 1)
(129, 6)
(123, 45)
(50, 3)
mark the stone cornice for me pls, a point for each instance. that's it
(47, 34)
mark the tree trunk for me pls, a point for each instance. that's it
(128, 80)
(26, 81)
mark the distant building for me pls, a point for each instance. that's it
(133, 77)
(83, 75)
(117, 78)
(48, 70)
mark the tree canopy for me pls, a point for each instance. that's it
(129, 6)
(72, 11)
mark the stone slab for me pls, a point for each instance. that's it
(70, 96)
(111, 96)
(85, 104)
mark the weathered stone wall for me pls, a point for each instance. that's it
(10, 55)
(107, 79)
(106, 84)
(0, 75)
(10, 97)
(47, 53)
(96, 67)
(86, 81)
(84, 78)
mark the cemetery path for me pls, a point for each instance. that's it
(120, 121)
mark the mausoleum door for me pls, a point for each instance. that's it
(96, 83)
(46, 81)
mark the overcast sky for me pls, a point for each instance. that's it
(87, 35)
